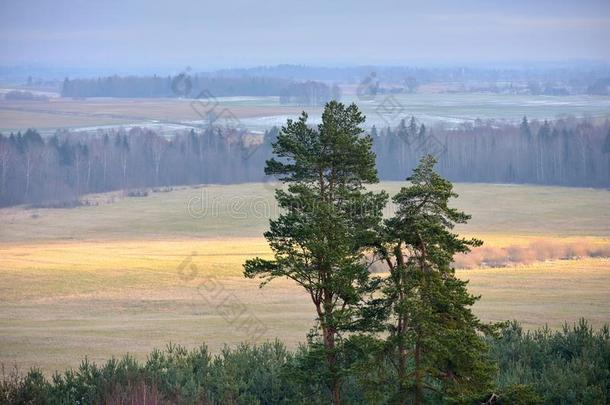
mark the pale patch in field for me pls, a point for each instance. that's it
(537, 249)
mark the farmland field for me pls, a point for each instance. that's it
(131, 274)
(259, 113)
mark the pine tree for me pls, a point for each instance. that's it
(525, 128)
(328, 221)
(412, 127)
(432, 330)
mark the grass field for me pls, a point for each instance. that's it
(498, 212)
(71, 113)
(103, 280)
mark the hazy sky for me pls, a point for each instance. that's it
(230, 33)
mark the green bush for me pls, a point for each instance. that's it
(29, 389)
(570, 366)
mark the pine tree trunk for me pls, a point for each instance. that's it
(328, 339)
(419, 391)
(402, 363)
(331, 358)
(401, 327)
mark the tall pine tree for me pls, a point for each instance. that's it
(433, 334)
(328, 220)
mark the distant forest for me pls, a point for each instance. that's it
(547, 79)
(194, 86)
(61, 168)
(307, 85)
(575, 75)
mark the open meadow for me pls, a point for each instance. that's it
(129, 274)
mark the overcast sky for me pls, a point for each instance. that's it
(230, 33)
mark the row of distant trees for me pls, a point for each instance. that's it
(17, 95)
(550, 80)
(309, 93)
(566, 152)
(302, 93)
(171, 86)
(67, 165)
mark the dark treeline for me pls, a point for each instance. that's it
(309, 93)
(172, 86)
(575, 78)
(67, 165)
(17, 95)
(565, 152)
(304, 93)
(551, 79)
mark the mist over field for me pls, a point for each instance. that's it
(347, 202)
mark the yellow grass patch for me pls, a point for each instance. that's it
(62, 301)
(59, 269)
